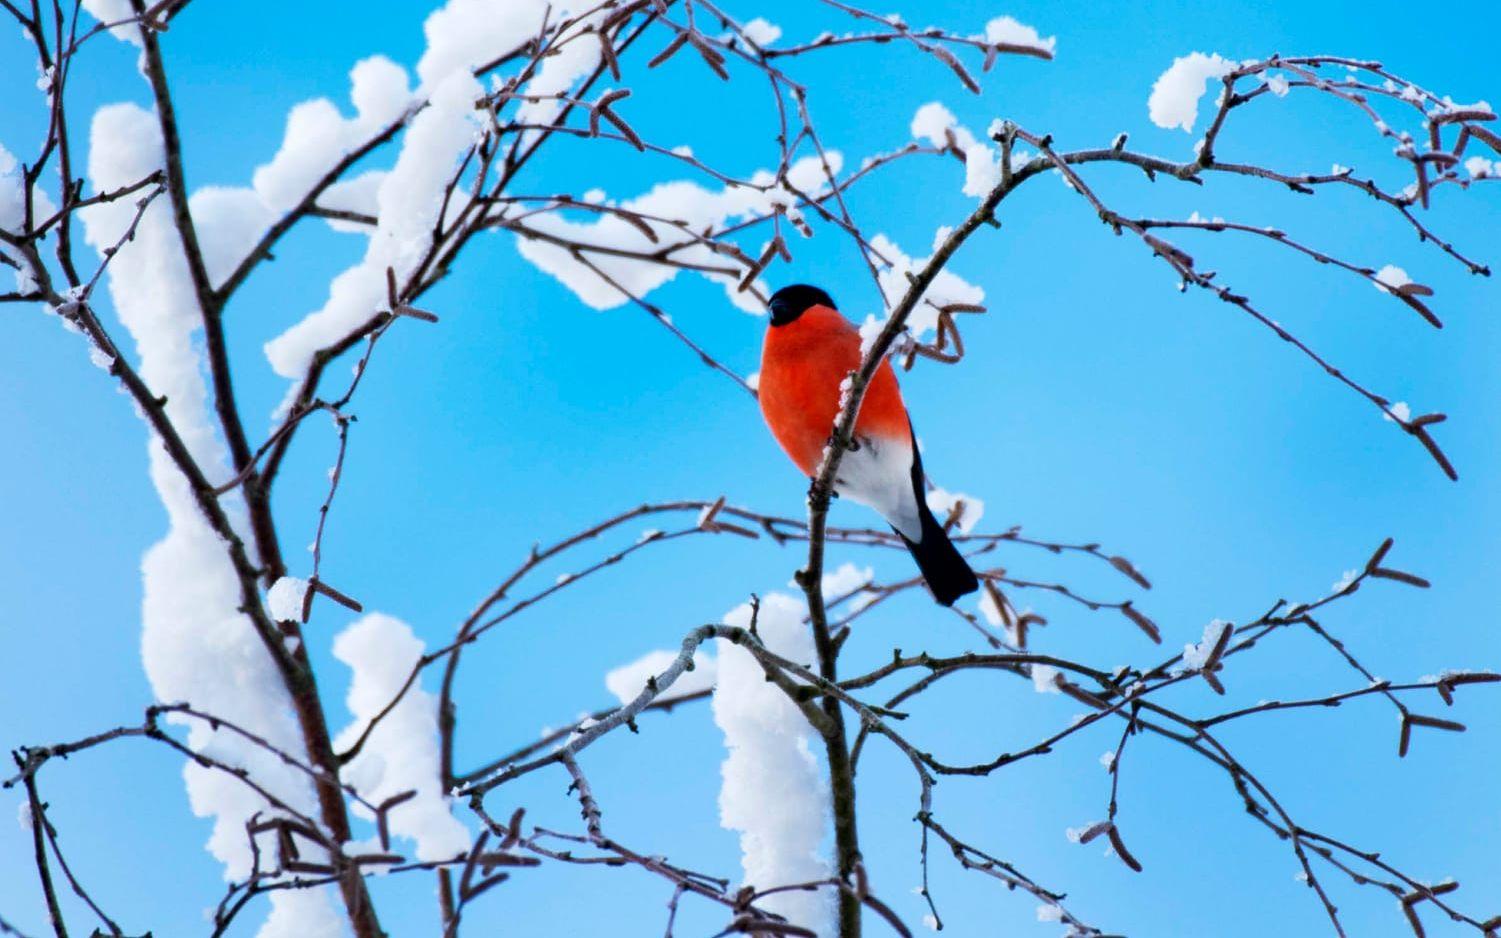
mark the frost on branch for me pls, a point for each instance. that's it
(627, 681)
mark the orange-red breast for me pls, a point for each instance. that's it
(810, 349)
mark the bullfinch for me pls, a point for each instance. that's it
(810, 349)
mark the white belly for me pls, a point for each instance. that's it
(879, 475)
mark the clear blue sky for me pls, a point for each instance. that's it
(1097, 404)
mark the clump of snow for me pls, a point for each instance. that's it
(1107, 759)
(113, 11)
(932, 123)
(285, 598)
(1390, 277)
(1399, 411)
(1276, 84)
(698, 207)
(943, 502)
(848, 577)
(1044, 678)
(1008, 30)
(401, 753)
(773, 791)
(578, 53)
(761, 32)
(409, 200)
(236, 219)
(945, 289)
(989, 610)
(1174, 101)
(12, 193)
(359, 194)
(1049, 913)
(1481, 168)
(1343, 583)
(463, 34)
(1195, 656)
(24, 817)
(301, 913)
(318, 136)
(196, 644)
(627, 681)
(935, 124)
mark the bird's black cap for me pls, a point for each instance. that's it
(791, 302)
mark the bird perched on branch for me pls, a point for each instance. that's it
(810, 349)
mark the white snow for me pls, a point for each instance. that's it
(1390, 278)
(629, 680)
(230, 221)
(195, 644)
(946, 288)
(1401, 409)
(982, 169)
(1343, 583)
(942, 502)
(773, 790)
(1008, 30)
(1195, 656)
(847, 579)
(1174, 101)
(401, 753)
(464, 34)
(360, 194)
(681, 200)
(285, 598)
(112, 11)
(12, 193)
(301, 913)
(1277, 84)
(23, 815)
(932, 122)
(1049, 913)
(988, 609)
(761, 32)
(1044, 678)
(409, 199)
(318, 136)
(578, 53)
(1481, 168)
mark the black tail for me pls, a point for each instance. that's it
(946, 571)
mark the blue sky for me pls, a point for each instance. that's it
(1097, 403)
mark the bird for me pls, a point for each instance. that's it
(810, 348)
